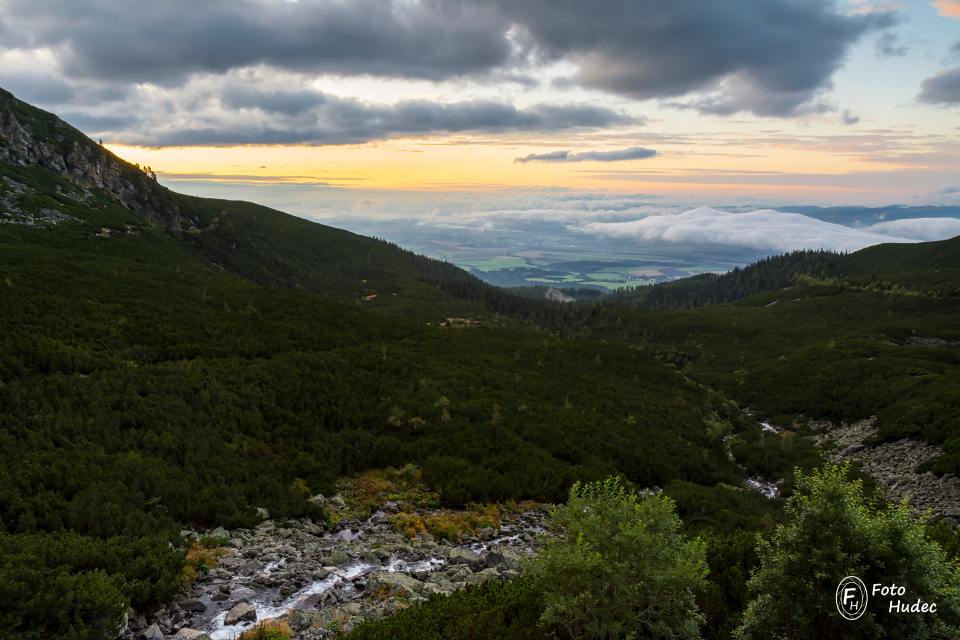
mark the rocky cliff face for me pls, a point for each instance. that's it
(29, 136)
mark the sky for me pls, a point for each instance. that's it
(334, 103)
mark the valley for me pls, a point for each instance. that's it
(184, 379)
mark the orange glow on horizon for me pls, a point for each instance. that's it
(450, 165)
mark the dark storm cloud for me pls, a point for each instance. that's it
(943, 88)
(768, 57)
(633, 153)
(284, 102)
(164, 41)
(334, 120)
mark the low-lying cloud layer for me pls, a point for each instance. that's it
(771, 230)
(633, 153)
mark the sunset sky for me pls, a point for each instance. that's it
(803, 101)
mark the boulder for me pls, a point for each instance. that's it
(250, 567)
(241, 612)
(483, 576)
(190, 634)
(194, 605)
(465, 556)
(505, 558)
(300, 620)
(151, 633)
(394, 583)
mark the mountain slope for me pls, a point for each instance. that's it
(928, 267)
(840, 337)
(264, 245)
(169, 361)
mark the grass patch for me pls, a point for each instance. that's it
(448, 524)
(202, 556)
(268, 630)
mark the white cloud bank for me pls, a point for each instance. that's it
(769, 229)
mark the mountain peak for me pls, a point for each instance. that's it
(31, 136)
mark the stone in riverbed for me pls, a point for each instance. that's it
(151, 633)
(394, 583)
(505, 558)
(465, 556)
(250, 567)
(193, 604)
(483, 576)
(190, 634)
(300, 620)
(241, 612)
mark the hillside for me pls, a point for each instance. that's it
(168, 361)
(821, 335)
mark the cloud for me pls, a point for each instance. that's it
(888, 46)
(165, 41)
(943, 88)
(764, 229)
(948, 8)
(632, 153)
(770, 58)
(312, 117)
(848, 118)
(920, 229)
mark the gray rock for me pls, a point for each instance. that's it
(151, 633)
(195, 605)
(394, 583)
(504, 557)
(484, 576)
(300, 620)
(241, 612)
(465, 556)
(249, 568)
(190, 634)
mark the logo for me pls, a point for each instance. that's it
(851, 597)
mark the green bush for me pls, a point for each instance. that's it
(831, 533)
(619, 567)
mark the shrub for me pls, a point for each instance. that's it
(830, 533)
(619, 567)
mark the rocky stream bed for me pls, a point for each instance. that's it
(325, 581)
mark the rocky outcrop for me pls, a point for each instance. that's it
(29, 136)
(319, 580)
(893, 465)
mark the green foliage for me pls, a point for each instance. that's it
(837, 353)
(491, 611)
(831, 533)
(67, 585)
(619, 567)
